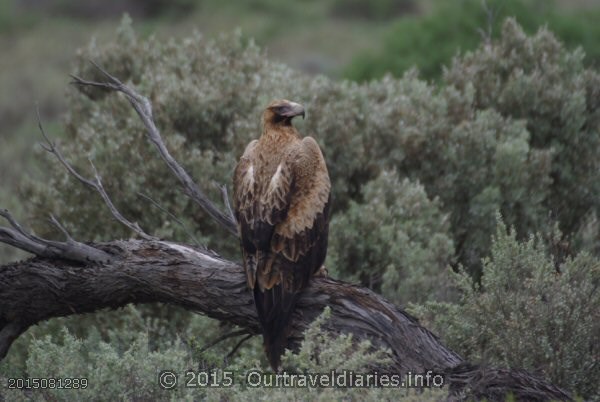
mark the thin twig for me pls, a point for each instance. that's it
(222, 338)
(95, 184)
(225, 196)
(238, 345)
(70, 250)
(185, 229)
(115, 212)
(6, 215)
(143, 107)
(491, 16)
(60, 227)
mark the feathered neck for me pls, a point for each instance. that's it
(279, 132)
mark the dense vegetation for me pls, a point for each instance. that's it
(473, 200)
(429, 41)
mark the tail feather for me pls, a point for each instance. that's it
(274, 307)
(279, 284)
(250, 265)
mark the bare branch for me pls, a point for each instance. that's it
(185, 229)
(143, 107)
(70, 250)
(223, 338)
(6, 215)
(115, 212)
(95, 184)
(60, 227)
(486, 36)
(166, 272)
(225, 196)
(8, 333)
(18, 240)
(238, 345)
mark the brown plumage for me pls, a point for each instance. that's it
(281, 199)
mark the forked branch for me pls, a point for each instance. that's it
(160, 271)
(143, 108)
(72, 250)
(95, 184)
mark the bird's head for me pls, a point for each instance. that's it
(281, 112)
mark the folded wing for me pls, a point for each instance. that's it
(283, 221)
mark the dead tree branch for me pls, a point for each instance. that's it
(158, 271)
(143, 108)
(486, 36)
(71, 250)
(95, 184)
(179, 222)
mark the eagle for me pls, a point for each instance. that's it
(281, 197)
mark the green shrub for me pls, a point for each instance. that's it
(536, 81)
(430, 41)
(430, 135)
(475, 161)
(130, 371)
(397, 242)
(527, 313)
(498, 136)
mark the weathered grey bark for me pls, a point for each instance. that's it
(158, 271)
(72, 278)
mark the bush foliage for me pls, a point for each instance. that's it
(397, 242)
(431, 40)
(494, 137)
(526, 312)
(419, 173)
(127, 369)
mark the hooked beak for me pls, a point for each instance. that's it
(293, 109)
